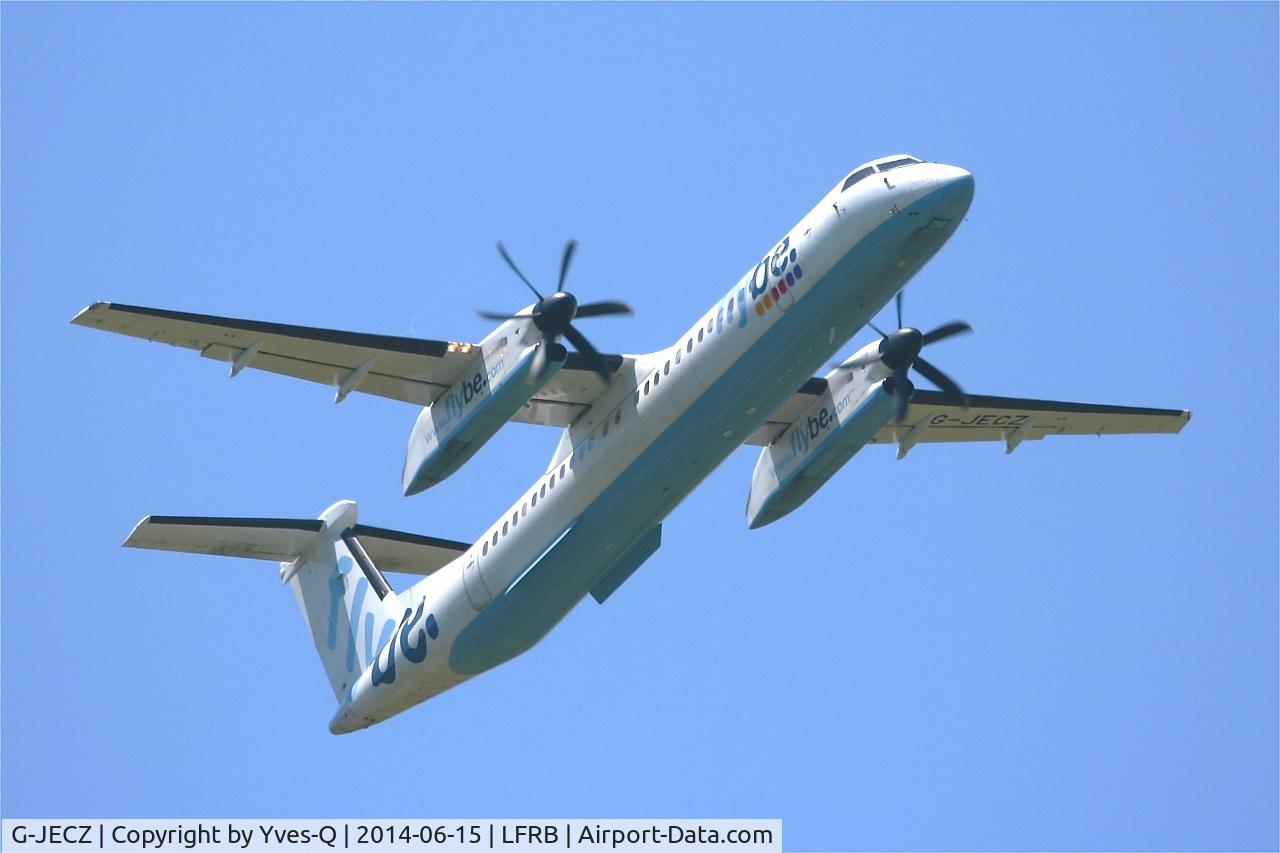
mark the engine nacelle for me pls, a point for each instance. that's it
(812, 449)
(450, 430)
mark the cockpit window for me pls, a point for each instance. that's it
(893, 164)
(857, 176)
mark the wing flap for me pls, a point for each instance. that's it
(376, 381)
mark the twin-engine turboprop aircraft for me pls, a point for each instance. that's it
(639, 432)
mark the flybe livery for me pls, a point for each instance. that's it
(639, 433)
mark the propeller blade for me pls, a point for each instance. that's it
(900, 404)
(898, 299)
(902, 391)
(879, 331)
(582, 345)
(515, 269)
(942, 380)
(494, 315)
(604, 309)
(945, 331)
(539, 367)
(569, 249)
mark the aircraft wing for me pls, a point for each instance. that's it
(415, 370)
(937, 417)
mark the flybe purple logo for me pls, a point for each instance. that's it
(776, 274)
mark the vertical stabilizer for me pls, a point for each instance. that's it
(349, 607)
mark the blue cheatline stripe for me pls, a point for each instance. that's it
(353, 619)
(337, 592)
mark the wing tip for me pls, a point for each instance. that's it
(82, 316)
(130, 541)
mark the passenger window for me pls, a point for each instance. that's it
(515, 518)
(504, 528)
(728, 314)
(637, 396)
(495, 537)
(617, 417)
(699, 335)
(666, 368)
(485, 549)
(689, 346)
(857, 176)
(656, 377)
(678, 352)
(646, 387)
(710, 321)
(524, 510)
(552, 482)
(561, 472)
(543, 491)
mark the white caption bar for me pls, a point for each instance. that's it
(216, 835)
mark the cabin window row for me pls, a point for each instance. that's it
(615, 419)
(516, 515)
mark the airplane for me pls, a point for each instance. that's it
(639, 432)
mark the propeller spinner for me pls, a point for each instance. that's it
(900, 352)
(554, 315)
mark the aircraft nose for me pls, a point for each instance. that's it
(953, 189)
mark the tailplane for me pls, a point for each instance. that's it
(347, 603)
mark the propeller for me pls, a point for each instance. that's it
(554, 315)
(900, 352)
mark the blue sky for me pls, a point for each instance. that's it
(1072, 647)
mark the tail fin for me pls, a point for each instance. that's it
(345, 600)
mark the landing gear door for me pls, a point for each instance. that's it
(477, 593)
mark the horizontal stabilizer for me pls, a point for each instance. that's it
(286, 539)
(411, 553)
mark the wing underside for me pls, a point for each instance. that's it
(934, 417)
(413, 370)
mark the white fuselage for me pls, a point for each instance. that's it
(663, 424)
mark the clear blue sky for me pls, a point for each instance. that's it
(1072, 647)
